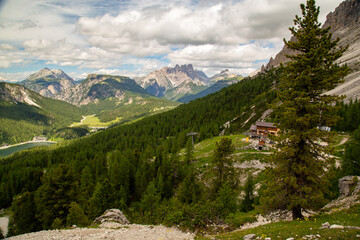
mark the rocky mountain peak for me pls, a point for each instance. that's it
(224, 74)
(345, 15)
(48, 73)
(183, 77)
(49, 82)
(345, 25)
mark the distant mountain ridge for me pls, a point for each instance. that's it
(224, 74)
(217, 86)
(98, 86)
(49, 82)
(173, 83)
(345, 24)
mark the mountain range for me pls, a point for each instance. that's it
(179, 81)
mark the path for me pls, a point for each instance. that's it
(4, 221)
(110, 231)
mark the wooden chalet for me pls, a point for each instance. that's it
(262, 129)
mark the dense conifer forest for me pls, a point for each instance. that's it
(138, 168)
(134, 167)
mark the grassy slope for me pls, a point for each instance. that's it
(21, 122)
(132, 107)
(299, 229)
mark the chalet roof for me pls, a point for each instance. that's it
(253, 127)
(264, 124)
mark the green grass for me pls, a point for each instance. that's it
(204, 149)
(93, 121)
(299, 229)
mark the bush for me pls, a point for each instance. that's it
(76, 216)
(238, 219)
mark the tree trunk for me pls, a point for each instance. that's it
(296, 213)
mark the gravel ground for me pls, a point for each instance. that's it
(4, 221)
(110, 231)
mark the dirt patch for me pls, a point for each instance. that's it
(4, 222)
(110, 231)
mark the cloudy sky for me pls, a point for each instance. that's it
(135, 37)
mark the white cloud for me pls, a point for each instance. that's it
(213, 58)
(211, 34)
(14, 77)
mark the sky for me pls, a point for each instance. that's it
(135, 37)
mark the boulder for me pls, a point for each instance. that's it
(249, 237)
(325, 225)
(347, 185)
(112, 215)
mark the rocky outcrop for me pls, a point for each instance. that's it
(349, 188)
(349, 185)
(49, 82)
(112, 215)
(345, 25)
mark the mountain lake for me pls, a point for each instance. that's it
(4, 152)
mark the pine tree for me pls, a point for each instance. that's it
(76, 216)
(247, 204)
(223, 164)
(298, 180)
(53, 197)
(189, 151)
(23, 218)
(351, 164)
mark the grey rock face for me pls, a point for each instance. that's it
(347, 185)
(112, 215)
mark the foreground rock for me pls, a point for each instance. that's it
(113, 225)
(112, 215)
(109, 230)
(349, 188)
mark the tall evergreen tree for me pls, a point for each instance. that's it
(351, 164)
(223, 164)
(23, 218)
(53, 197)
(298, 180)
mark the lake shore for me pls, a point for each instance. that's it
(22, 143)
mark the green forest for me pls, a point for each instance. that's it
(140, 162)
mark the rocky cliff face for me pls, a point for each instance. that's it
(160, 82)
(49, 82)
(15, 93)
(345, 24)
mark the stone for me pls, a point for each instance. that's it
(249, 237)
(325, 225)
(347, 184)
(290, 238)
(112, 215)
(335, 226)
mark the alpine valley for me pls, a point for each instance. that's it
(100, 100)
(198, 166)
